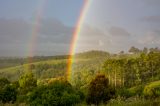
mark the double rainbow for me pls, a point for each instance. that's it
(76, 33)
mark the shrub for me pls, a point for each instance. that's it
(152, 90)
(27, 82)
(99, 90)
(57, 93)
(124, 92)
(3, 82)
(8, 94)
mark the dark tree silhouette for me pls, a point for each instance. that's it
(99, 90)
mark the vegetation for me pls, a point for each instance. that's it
(99, 78)
(8, 92)
(16, 61)
(57, 93)
(27, 82)
(99, 90)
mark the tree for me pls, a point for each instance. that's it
(121, 52)
(3, 82)
(153, 60)
(8, 94)
(134, 50)
(156, 49)
(99, 90)
(57, 93)
(145, 50)
(110, 68)
(27, 82)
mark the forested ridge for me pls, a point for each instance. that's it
(98, 77)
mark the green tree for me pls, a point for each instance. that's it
(153, 60)
(27, 82)
(3, 82)
(156, 49)
(99, 90)
(145, 50)
(134, 50)
(8, 94)
(57, 93)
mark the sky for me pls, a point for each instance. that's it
(110, 25)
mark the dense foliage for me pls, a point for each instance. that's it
(126, 79)
(27, 82)
(57, 93)
(8, 92)
(133, 71)
(16, 61)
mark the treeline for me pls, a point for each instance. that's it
(16, 61)
(91, 54)
(133, 71)
(144, 50)
(135, 75)
(54, 92)
(41, 70)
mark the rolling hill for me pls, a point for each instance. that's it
(55, 66)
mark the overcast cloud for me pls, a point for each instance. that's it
(53, 37)
(110, 25)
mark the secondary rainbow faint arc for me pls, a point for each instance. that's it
(76, 34)
(35, 29)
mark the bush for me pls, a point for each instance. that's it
(137, 90)
(57, 93)
(3, 82)
(124, 92)
(8, 94)
(27, 82)
(152, 90)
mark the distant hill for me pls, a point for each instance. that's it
(54, 66)
(16, 61)
(7, 62)
(92, 54)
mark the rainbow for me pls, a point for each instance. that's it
(76, 34)
(35, 29)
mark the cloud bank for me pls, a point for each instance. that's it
(15, 35)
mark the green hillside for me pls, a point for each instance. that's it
(16, 61)
(97, 77)
(56, 66)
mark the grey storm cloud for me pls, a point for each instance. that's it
(54, 31)
(91, 38)
(151, 37)
(88, 30)
(151, 2)
(13, 31)
(15, 34)
(114, 39)
(154, 19)
(91, 35)
(54, 27)
(13, 27)
(118, 31)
